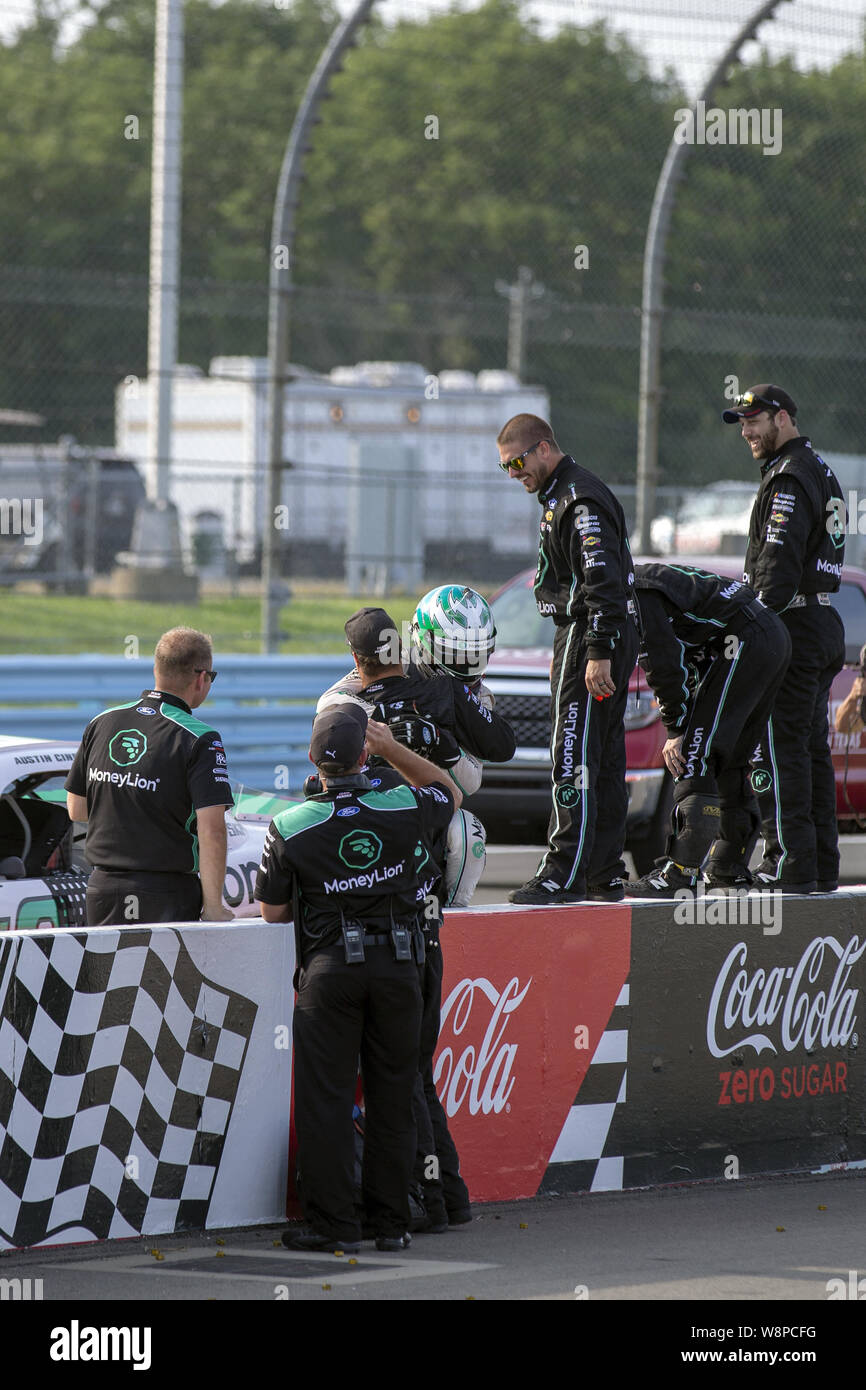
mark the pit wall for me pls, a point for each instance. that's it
(145, 1073)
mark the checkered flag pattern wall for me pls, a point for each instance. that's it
(119, 1067)
(69, 891)
(588, 1142)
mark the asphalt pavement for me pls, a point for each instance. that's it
(748, 1241)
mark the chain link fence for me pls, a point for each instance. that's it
(476, 198)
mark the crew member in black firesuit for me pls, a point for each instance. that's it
(715, 657)
(351, 867)
(437, 715)
(794, 563)
(583, 582)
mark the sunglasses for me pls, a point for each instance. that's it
(202, 671)
(520, 460)
(749, 398)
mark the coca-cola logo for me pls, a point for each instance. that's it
(482, 1074)
(807, 1015)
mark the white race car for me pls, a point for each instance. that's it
(43, 872)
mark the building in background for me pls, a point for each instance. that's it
(392, 469)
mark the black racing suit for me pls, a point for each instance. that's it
(794, 562)
(449, 703)
(355, 854)
(469, 730)
(715, 658)
(583, 582)
(146, 768)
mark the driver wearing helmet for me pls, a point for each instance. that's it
(436, 704)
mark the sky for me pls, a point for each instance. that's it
(688, 36)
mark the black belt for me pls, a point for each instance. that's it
(809, 601)
(755, 609)
(747, 611)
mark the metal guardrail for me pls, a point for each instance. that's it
(262, 705)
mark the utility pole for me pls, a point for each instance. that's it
(519, 296)
(279, 301)
(154, 567)
(164, 242)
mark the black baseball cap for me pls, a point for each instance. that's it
(338, 737)
(758, 398)
(372, 632)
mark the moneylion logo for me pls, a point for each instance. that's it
(360, 849)
(567, 794)
(761, 781)
(127, 747)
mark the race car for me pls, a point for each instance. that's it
(43, 872)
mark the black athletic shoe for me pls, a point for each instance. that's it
(545, 890)
(827, 885)
(460, 1216)
(427, 1216)
(765, 883)
(663, 882)
(433, 1225)
(738, 882)
(311, 1241)
(611, 892)
(391, 1244)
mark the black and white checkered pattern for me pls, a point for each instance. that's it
(119, 1067)
(585, 1141)
(69, 891)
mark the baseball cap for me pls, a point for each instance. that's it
(373, 632)
(758, 398)
(338, 737)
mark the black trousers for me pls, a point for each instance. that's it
(343, 1013)
(586, 833)
(793, 773)
(125, 897)
(437, 1162)
(728, 715)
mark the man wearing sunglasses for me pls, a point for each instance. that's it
(151, 782)
(793, 563)
(583, 582)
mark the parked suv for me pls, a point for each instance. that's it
(66, 508)
(514, 802)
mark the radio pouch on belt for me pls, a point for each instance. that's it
(418, 944)
(401, 942)
(296, 926)
(353, 942)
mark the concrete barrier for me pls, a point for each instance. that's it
(144, 1080)
(599, 1048)
(145, 1072)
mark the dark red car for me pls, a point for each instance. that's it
(514, 802)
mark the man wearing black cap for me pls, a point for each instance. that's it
(352, 867)
(455, 728)
(794, 563)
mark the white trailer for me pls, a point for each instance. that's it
(381, 453)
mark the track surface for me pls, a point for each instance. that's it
(706, 1243)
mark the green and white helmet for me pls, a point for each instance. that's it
(453, 631)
